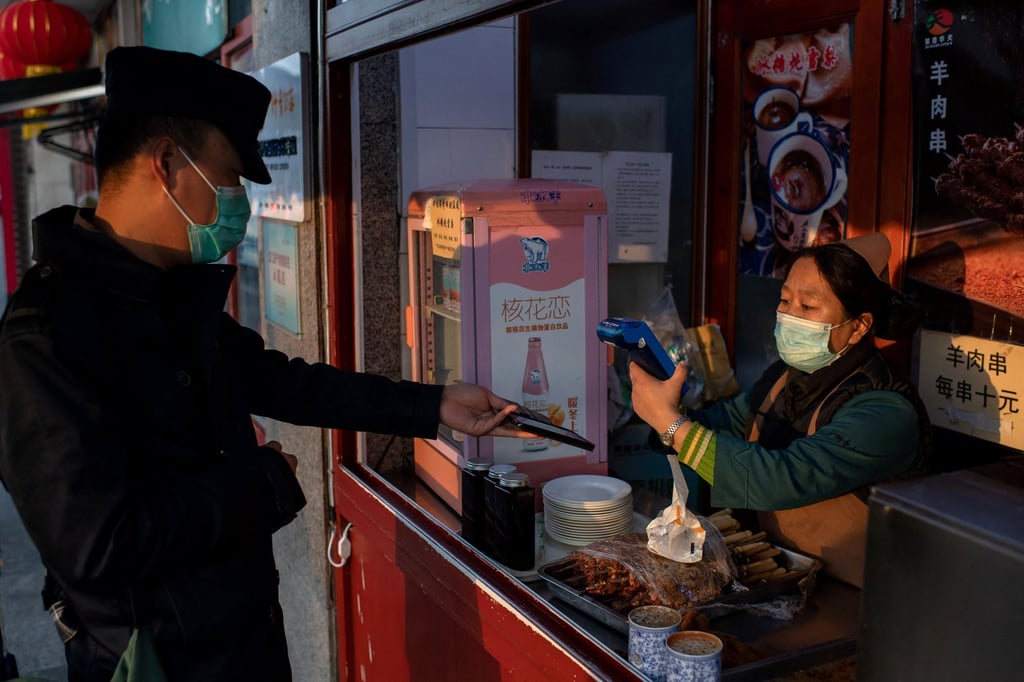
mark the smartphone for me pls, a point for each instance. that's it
(534, 422)
(643, 346)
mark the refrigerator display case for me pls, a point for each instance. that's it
(508, 283)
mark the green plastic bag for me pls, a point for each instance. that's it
(139, 662)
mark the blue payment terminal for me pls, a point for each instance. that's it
(643, 346)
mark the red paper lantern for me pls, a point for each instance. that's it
(43, 35)
(10, 69)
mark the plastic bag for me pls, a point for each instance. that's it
(715, 370)
(664, 321)
(623, 572)
(676, 533)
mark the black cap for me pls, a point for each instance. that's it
(145, 81)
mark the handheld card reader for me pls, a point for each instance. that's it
(643, 346)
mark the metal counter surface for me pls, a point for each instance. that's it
(825, 630)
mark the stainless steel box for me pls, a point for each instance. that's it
(943, 591)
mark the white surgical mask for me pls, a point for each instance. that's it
(803, 344)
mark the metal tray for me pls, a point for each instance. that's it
(799, 567)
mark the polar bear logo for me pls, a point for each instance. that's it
(535, 248)
(536, 252)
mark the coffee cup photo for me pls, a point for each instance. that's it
(777, 114)
(805, 180)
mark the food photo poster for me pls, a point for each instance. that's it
(967, 249)
(795, 141)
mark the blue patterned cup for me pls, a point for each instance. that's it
(649, 628)
(693, 656)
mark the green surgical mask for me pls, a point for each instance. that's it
(803, 344)
(209, 243)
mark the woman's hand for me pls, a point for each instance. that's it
(657, 402)
(476, 411)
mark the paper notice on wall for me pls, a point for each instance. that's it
(281, 274)
(973, 386)
(637, 187)
(443, 217)
(582, 167)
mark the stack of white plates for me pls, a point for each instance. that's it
(585, 508)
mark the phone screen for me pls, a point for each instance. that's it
(534, 422)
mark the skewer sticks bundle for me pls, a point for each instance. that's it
(754, 556)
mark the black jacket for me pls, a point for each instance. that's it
(126, 442)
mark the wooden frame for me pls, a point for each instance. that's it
(735, 23)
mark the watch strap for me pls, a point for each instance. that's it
(668, 437)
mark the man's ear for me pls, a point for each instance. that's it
(163, 161)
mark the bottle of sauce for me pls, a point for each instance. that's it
(535, 389)
(515, 541)
(494, 474)
(474, 475)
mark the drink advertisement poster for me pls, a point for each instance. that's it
(795, 137)
(539, 333)
(966, 266)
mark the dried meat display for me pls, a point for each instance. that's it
(621, 573)
(987, 178)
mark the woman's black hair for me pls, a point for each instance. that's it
(860, 291)
(120, 138)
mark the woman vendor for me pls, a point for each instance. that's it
(827, 420)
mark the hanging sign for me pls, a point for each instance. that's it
(196, 26)
(973, 386)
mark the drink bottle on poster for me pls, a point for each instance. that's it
(535, 388)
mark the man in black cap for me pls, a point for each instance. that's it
(126, 439)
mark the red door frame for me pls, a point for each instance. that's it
(739, 21)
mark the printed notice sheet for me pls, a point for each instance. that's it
(636, 185)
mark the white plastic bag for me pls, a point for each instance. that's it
(676, 532)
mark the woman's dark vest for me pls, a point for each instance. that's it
(786, 405)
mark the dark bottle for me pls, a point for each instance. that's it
(515, 542)
(494, 474)
(474, 475)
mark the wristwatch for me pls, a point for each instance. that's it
(668, 438)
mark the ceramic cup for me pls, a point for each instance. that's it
(649, 627)
(693, 656)
(777, 114)
(805, 180)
